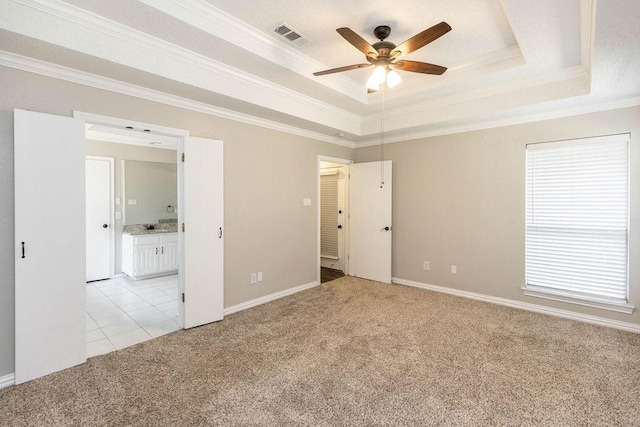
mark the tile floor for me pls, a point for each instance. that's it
(123, 312)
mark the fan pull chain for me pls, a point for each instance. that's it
(382, 139)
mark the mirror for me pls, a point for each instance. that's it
(149, 192)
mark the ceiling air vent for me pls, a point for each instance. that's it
(291, 35)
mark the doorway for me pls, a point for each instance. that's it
(366, 220)
(138, 298)
(50, 283)
(333, 217)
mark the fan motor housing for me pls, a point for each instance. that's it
(382, 32)
(384, 48)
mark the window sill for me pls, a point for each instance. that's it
(572, 299)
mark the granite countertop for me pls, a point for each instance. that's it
(160, 227)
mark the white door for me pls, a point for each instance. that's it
(49, 244)
(203, 241)
(370, 224)
(98, 222)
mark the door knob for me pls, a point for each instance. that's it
(385, 229)
(104, 226)
(340, 226)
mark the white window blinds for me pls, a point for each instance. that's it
(329, 215)
(577, 216)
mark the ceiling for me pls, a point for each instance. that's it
(509, 61)
(130, 136)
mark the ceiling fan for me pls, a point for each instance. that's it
(384, 55)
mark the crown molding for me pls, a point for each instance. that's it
(414, 115)
(216, 22)
(587, 34)
(492, 62)
(587, 31)
(522, 119)
(31, 65)
(89, 33)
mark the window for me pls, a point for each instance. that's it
(577, 214)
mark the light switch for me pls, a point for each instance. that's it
(133, 201)
(306, 202)
(118, 215)
(118, 202)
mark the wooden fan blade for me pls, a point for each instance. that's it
(419, 67)
(421, 39)
(361, 44)
(341, 69)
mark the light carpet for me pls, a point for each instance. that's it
(352, 352)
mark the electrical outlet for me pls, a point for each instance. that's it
(425, 265)
(454, 269)
(259, 276)
(254, 278)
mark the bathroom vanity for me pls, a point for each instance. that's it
(154, 253)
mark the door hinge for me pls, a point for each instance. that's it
(183, 227)
(183, 157)
(183, 297)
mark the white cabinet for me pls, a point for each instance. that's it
(168, 256)
(150, 254)
(145, 260)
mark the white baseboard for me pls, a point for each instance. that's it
(267, 298)
(7, 380)
(595, 320)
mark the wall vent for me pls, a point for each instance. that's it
(291, 35)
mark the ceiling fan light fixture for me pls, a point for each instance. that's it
(379, 74)
(393, 78)
(372, 83)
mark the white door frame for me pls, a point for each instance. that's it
(112, 202)
(181, 134)
(346, 203)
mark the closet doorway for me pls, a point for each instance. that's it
(333, 218)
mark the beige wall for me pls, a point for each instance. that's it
(459, 200)
(120, 152)
(267, 228)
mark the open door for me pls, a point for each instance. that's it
(50, 304)
(370, 199)
(203, 238)
(99, 229)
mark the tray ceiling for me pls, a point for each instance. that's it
(508, 61)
